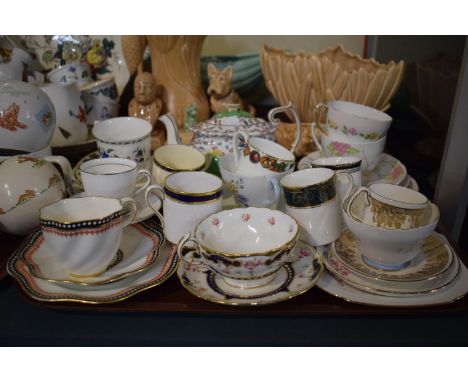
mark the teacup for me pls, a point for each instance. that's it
(103, 90)
(251, 191)
(124, 137)
(387, 248)
(187, 198)
(84, 234)
(311, 199)
(349, 164)
(246, 246)
(112, 177)
(173, 158)
(391, 206)
(260, 156)
(79, 73)
(354, 122)
(368, 151)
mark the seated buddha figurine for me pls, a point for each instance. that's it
(146, 105)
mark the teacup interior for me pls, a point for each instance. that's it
(307, 177)
(246, 231)
(392, 193)
(359, 110)
(121, 129)
(80, 209)
(108, 166)
(179, 157)
(193, 182)
(271, 148)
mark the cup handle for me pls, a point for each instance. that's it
(181, 245)
(276, 191)
(350, 184)
(313, 126)
(155, 189)
(66, 168)
(130, 210)
(289, 107)
(305, 166)
(317, 109)
(235, 145)
(145, 174)
(354, 196)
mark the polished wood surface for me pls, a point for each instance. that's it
(171, 297)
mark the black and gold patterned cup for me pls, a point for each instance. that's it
(311, 198)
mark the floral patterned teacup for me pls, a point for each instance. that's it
(124, 137)
(354, 122)
(246, 246)
(369, 152)
(79, 73)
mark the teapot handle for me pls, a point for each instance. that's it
(67, 171)
(172, 131)
(289, 107)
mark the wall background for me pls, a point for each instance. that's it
(218, 45)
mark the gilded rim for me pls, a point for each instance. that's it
(174, 170)
(293, 188)
(99, 163)
(398, 201)
(317, 257)
(207, 193)
(271, 156)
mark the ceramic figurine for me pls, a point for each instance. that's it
(146, 105)
(175, 62)
(220, 90)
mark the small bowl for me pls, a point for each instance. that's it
(389, 248)
(70, 73)
(245, 246)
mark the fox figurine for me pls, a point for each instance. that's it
(220, 91)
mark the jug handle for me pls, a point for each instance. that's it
(171, 129)
(289, 107)
(67, 171)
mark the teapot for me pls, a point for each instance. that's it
(214, 136)
(13, 69)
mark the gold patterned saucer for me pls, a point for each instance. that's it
(291, 280)
(434, 258)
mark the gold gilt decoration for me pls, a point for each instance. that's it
(384, 215)
(54, 179)
(36, 162)
(25, 196)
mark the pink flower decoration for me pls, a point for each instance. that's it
(290, 228)
(215, 221)
(271, 220)
(340, 148)
(353, 131)
(245, 217)
(396, 172)
(303, 253)
(251, 264)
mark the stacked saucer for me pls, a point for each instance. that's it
(433, 269)
(142, 261)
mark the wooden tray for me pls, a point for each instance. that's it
(171, 297)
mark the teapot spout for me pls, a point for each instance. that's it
(171, 129)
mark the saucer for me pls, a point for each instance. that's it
(137, 252)
(434, 259)
(387, 169)
(389, 288)
(42, 290)
(145, 212)
(291, 280)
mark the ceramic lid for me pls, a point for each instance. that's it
(233, 120)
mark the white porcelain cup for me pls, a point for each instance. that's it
(84, 234)
(187, 198)
(251, 191)
(368, 151)
(391, 206)
(260, 156)
(311, 199)
(348, 164)
(172, 158)
(79, 73)
(113, 177)
(354, 122)
(124, 137)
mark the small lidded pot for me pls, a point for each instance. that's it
(246, 246)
